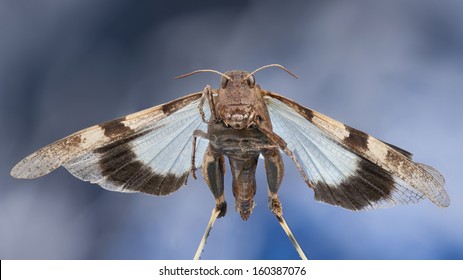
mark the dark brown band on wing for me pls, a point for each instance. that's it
(115, 128)
(370, 184)
(173, 106)
(120, 143)
(400, 150)
(119, 165)
(163, 184)
(356, 140)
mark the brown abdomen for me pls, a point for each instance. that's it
(244, 184)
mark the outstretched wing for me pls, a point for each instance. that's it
(350, 168)
(148, 151)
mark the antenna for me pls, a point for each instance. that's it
(268, 66)
(202, 71)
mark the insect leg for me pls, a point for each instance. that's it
(197, 133)
(285, 227)
(215, 214)
(207, 94)
(213, 169)
(213, 173)
(275, 169)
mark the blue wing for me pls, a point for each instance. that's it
(349, 168)
(148, 151)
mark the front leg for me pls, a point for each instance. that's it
(197, 133)
(207, 94)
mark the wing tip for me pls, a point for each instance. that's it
(19, 172)
(27, 169)
(15, 173)
(443, 201)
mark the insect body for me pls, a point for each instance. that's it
(239, 129)
(154, 151)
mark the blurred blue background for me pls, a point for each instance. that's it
(391, 68)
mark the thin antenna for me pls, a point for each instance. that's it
(215, 214)
(271, 65)
(204, 70)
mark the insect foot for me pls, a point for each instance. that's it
(274, 205)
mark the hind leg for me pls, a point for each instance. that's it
(275, 170)
(213, 169)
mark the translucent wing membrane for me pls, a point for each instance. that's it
(341, 167)
(157, 160)
(149, 151)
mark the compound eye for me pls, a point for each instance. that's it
(251, 81)
(223, 82)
